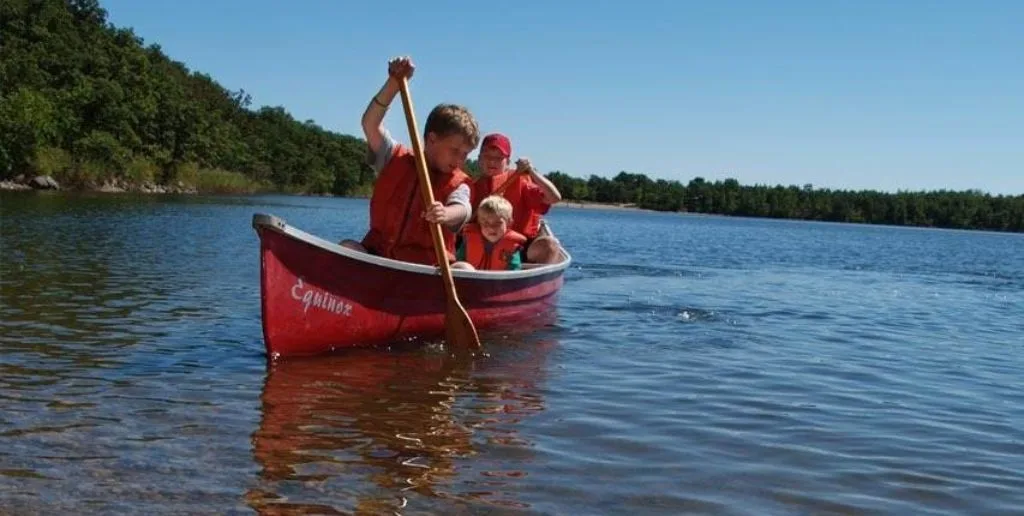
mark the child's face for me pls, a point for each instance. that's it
(448, 153)
(492, 161)
(492, 226)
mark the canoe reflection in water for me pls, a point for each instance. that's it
(378, 431)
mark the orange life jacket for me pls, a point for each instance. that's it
(501, 251)
(524, 220)
(397, 228)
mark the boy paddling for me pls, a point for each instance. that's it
(398, 220)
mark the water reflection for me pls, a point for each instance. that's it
(84, 279)
(376, 432)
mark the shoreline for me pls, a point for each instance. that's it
(47, 184)
(157, 189)
(590, 205)
(117, 185)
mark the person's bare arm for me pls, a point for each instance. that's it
(551, 193)
(373, 117)
(454, 212)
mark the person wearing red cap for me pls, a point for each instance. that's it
(530, 193)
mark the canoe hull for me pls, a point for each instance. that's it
(318, 297)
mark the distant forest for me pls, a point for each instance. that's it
(85, 102)
(944, 208)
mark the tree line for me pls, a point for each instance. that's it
(970, 209)
(84, 101)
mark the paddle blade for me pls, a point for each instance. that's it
(459, 330)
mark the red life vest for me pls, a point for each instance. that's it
(501, 251)
(397, 228)
(524, 219)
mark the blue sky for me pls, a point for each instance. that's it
(880, 95)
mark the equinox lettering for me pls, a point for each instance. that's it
(322, 300)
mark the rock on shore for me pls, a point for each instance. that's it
(115, 185)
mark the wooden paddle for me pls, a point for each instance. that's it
(508, 182)
(459, 330)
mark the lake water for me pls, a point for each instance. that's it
(695, 365)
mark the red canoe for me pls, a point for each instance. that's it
(318, 296)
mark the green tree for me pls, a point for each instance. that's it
(73, 85)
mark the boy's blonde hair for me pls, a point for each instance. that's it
(448, 119)
(497, 205)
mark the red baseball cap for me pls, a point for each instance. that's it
(498, 141)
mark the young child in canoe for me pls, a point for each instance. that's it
(530, 193)
(489, 243)
(398, 220)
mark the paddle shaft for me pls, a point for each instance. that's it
(508, 182)
(458, 324)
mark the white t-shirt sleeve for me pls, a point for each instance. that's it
(461, 196)
(379, 160)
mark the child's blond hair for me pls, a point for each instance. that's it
(497, 205)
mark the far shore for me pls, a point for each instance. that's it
(44, 183)
(602, 205)
(120, 186)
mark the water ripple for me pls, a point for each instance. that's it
(694, 365)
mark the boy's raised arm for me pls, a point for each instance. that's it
(373, 117)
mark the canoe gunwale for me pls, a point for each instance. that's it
(261, 221)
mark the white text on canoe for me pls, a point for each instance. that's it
(310, 297)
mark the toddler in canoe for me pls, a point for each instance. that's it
(488, 243)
